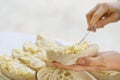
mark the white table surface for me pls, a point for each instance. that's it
(11, 40)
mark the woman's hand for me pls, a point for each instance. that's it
(105, 61)
(103, 14)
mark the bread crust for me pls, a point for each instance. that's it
(3, 77)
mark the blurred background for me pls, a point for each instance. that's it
(58, 19)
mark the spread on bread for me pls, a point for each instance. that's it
(74, 49)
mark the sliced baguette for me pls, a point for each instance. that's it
(46, 43)
(13, 69)
(52, 73)
(27, 59)
(34, 50)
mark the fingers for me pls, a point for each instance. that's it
(57, 64)
(77, 67)
(113, 18)
(71, 67)
(90, 14)
(97, 16)
(97, 61)
(102, 15)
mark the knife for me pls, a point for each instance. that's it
(93, 29)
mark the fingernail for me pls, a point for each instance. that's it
(81, 62)
(88, 28)
(98, 26)
(95, 30)
(102, 26)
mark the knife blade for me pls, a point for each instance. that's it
(93, 29)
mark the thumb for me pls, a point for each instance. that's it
(89, 61)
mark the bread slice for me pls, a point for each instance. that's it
(34, 50)
(13, 69)
(106, 75)
(3, 77)
(28, 59)
(69, 55)
(52, 73)
(46, 43)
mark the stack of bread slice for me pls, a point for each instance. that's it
(33, 62)
(13, 69)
